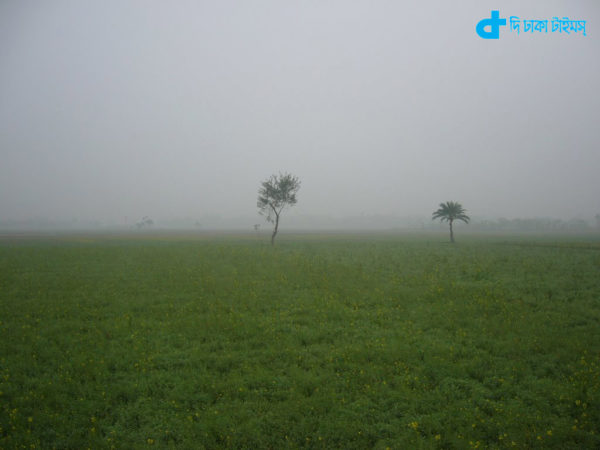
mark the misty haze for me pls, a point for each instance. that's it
(114, 111)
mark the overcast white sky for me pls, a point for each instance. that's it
(170, 109)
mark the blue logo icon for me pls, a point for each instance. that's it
(493, 23)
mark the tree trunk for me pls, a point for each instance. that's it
(451, 233)
(275, 229)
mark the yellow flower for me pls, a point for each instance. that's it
(150, 441)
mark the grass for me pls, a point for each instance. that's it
(321, 342)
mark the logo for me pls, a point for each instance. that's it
(490, 28)
(493, 23)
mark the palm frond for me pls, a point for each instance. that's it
(450, 211)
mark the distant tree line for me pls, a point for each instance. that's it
(534, 224)
(145, 222)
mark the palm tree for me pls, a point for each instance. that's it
(451, 211)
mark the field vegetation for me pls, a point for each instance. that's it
(323, 341)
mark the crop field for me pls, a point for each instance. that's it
(324, 341)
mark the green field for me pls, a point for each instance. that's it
(325, 341)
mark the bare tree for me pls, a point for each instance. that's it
(275, 194)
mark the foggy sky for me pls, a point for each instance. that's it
(119, 109)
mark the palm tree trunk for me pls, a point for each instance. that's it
(451, 233)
